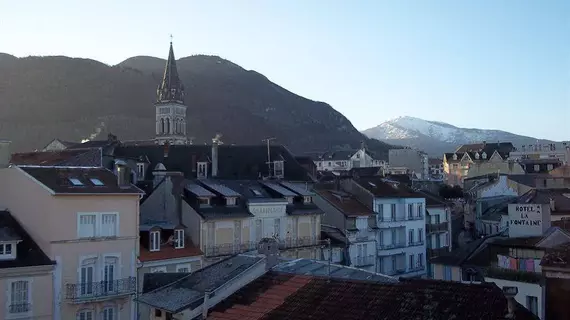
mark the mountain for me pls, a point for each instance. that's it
(436, 137)
(42, 98)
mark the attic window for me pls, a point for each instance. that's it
(454, 157)
(230, 201)
(204, 201)
(7, 251)
(278, 169)
(256, 192)
(484, 155)
(477, 155)
(75, 181)
(140, 170)
(202, 169)
(372, 184)
(307, 199)
(154, 241)
(179, 238)
(290, 199)
(97, 182)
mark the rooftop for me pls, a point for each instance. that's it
(558, 257)
(28, 253)
(78, 180)
(278, 295)
(73, 157)
(386, 188)
(345, 203)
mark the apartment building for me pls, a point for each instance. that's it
(86, 220)
(345, 160)
(412, 159)
(400, 221)
(26, 273)
(559, 151)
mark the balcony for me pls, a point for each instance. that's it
(437, 227)
(416, 268)
(99, 291)
(437, 252)
(19, 308)
(512, 275)
(298, 242)
(415, 243)
(412, 218)
(394, 245)
(392, 219)
(226, 249)
(364, 261)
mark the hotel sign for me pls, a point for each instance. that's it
(525, 220)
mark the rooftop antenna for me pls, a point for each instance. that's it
(268, 140)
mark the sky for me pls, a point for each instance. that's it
(480, 64)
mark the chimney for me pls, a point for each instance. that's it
(166, 149)
(5, 154)
(552, 205)
(510, 293)
(214, 158)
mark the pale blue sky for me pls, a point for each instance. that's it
(497, 64)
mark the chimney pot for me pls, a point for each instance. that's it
(510, 293)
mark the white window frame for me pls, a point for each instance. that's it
(140, 170)
(202, 173)
(307, 199)
(280, 164)
(230, 201)
(110, 309)
(28, 300)
(98, 227)
(86, 312)
(8, 256)
(103, 230)
(158, 269)
(84, 235)
(152, 235)
(178, 238)
(183, 266)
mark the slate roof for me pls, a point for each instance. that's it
(560, 196)
(309, 267)
(57, 179)
(345, 203)
(73, 157)
(337, 237)
(385, 188)
(458, 256)
(175, 293)
(287, 296)
(432, 200)
(234, 162)
(28, 253)
(489, 148)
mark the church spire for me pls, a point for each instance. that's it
(171, 88)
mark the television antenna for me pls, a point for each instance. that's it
(268, 141)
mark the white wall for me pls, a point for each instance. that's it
(525, 289)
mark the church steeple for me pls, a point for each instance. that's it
(171, 88)
(170, 108)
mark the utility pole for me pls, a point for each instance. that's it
(268, 140)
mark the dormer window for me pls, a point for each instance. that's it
(202, 170)
(278, 171)
(477, 155)
(307, 199)
(204, 201)
(140, 170)
(290, 200)
(7, 251)
(230, 201)
(454, 157)
(484, 155)
(154, 241)
(179, 238)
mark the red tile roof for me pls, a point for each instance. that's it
(348, 205)
(286, 296)
(168, 252)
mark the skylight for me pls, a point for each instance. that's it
(96, 182)
(75, 182)
(372, 184)
(256, 192)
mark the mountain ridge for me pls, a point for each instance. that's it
(76, 98)
(437, 137)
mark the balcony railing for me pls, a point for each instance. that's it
(399, 218)
(512, 275)
(416, 268)
(392, 246)
(415, 243)
(411, 218)
(437, 252)
(19, 308)
(437, 227)
(364, 261)
(80, 292)
(235, 248)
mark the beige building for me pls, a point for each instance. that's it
(86, 221)
(26, 284)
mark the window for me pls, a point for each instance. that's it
(307, 199)
(109, 274)
(278, 169)
(85, 315)
(96, 182)
(276, 227)
(411, 262)
(351, 224)
(109, 313)
(202, 169)
(420, 259)
(410, 210)
(140, 170)
(380, 210)
(87, 276)
(549, 167)
(420, 210)
(6, 250)
(230, 201)
(394, 263)
(204, 201)
(536, 167)
(109, 225)
(256, 192)
(19, 296)
(179, 238)
(393, 211)
(87, 225)
(158, 269)
(76, 182)
(154, 240)
(532, 304)
(183, 268)
(447, 273)
(420, 235)
(411, 236)
(394, 237)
